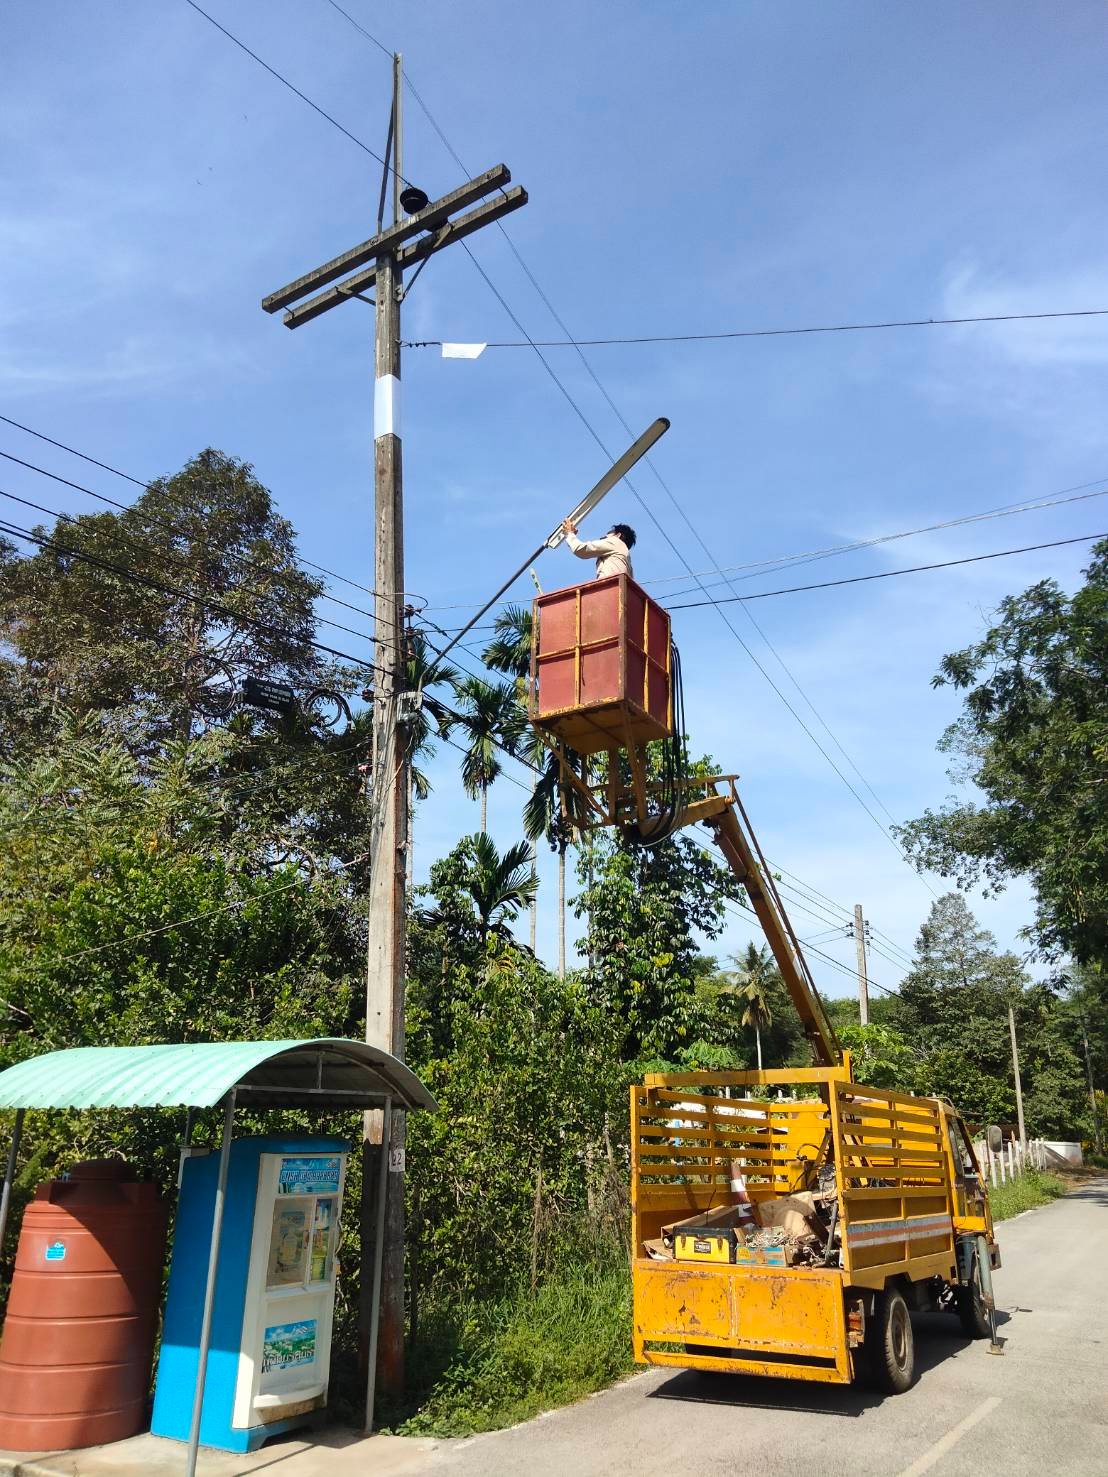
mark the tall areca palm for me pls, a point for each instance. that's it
(510, 649)
(433, 720)
(499, 885)
(751, 982)
(492, 720)
(510, 652)
(552, 812)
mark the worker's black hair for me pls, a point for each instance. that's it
(625, 532)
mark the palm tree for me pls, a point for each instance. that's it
(499, 885)
(510, 652)
(752, 981)
(510, 649)
(554, 813)
(493, 722)
(433, 720)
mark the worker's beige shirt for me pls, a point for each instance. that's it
(611, 554)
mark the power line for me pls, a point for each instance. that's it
(596, 437)
(303, 96)
(163, 555)
(858, 579)
(758, 566)
(135, 938)
(691, 338)
(101, 497)
(665, 487)
(380, 45)
(135, 577)
(1007, 510)
(810, 893)
(266, 569)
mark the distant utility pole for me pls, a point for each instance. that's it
(859, 929)
(419, 229)
(1016, 1073)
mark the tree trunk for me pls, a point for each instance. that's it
(534, 910)
(561, 913)
(411, 810)
(758, 1041)
(484, 807)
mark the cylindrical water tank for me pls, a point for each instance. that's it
(82, 1315)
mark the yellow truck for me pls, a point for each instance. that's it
(900, 1223)
(889, 1211)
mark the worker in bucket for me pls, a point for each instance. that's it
(612, 552)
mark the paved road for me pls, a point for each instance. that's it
(1041, 1408)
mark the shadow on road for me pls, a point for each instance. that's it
(938, 1339)
(1094, 1194)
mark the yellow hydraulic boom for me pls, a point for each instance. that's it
(739, 845)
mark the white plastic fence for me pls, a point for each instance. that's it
(1014, 1159)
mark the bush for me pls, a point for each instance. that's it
(1025, 1193)
(483, 1365)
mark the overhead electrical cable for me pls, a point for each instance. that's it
(165, 522)
(631, 485)
(596, 437)
(303, 96)
(125, 573)
(163, 555)
(763, 566)
(858, 579)
(739, 333)
(135, 938)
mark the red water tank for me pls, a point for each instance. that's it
(82, 1314)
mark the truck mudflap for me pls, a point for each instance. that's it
(781, 1321)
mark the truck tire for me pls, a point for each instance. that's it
(889, 1346)
(969, 1300)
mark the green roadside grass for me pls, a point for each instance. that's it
(486, 1365)
(1025, 1193)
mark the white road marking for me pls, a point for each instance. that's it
(954, 1435)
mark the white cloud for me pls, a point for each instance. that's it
(1050, 343)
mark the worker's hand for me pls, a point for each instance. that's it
(568, 525)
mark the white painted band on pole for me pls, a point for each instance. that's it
(386, 406)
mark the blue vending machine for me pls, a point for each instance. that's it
(275, 1292)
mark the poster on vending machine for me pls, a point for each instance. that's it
(321, 1257)
(288, 1243)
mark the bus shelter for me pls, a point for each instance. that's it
(328, 1075)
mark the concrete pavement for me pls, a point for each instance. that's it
(1042, 1407)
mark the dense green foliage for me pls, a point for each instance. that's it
(1034, 740)
(642, 910)
(165, 876)
(1025, 1193)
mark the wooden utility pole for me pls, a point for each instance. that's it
(388, 867)
(1016, 1074)
(420, 228)
(863, 977)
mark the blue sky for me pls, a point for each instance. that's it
(691, 169)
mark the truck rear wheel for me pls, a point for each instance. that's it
(969, 1299)
(890, 1347)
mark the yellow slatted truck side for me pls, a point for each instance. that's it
(904, 1202)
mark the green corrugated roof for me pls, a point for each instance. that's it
(198, 1075)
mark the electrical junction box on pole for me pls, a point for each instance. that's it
(600, 666)
(274, 1307)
